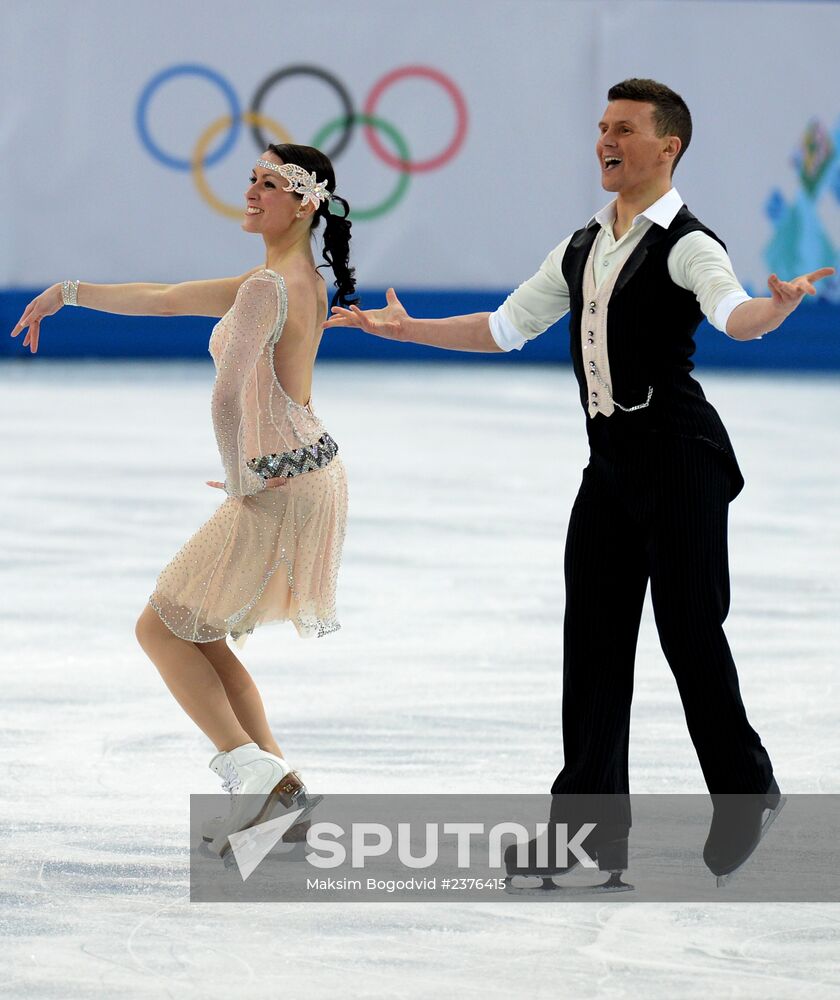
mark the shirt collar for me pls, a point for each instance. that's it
(662, 212)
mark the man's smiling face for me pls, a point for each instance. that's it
(629, 151)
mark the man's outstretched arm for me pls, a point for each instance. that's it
(526, 313)
(758, 316)
(470, 332)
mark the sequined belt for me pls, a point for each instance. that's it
(294, 463)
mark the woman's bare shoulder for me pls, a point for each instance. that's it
(304, 287)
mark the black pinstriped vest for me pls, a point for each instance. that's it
(650, 340)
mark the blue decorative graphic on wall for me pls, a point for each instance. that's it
(800, 242)
(775, 205)
(834, 182)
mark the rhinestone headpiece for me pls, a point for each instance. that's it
(300, 181)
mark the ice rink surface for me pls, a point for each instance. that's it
(445, 677)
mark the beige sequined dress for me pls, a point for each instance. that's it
(267, 554)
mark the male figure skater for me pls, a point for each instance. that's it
(653, 502)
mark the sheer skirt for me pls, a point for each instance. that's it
(268, 557)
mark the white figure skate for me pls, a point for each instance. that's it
(259, 783)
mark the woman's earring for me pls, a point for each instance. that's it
(298, 215)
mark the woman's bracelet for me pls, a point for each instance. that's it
(69, 292)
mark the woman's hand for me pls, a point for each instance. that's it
(45, 304)
(269, 483)
(389, 322)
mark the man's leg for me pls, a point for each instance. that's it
(606, 579)
(689, 571)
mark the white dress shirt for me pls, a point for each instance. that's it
(696, 262)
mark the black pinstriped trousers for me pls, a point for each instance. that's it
(651, 506)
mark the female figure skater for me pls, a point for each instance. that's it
(271, 551)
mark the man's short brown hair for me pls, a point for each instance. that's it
(670, 112)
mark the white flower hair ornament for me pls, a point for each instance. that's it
(300, 181)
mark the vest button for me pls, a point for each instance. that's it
(595, 396)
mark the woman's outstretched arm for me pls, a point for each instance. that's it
(138, 298)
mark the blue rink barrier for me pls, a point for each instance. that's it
(809, 339)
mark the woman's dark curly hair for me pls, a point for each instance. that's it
(336, 234)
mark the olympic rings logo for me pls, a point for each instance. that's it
(337, 132)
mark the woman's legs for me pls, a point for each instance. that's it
(209, 683)
(192, 680)
(242, 693)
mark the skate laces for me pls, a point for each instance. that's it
(231, 778)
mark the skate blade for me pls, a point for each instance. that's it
(296, 851)
(221, 844)
(281, 855)
(545, 885)
(205, 849)
(724, 880)
(314, 800)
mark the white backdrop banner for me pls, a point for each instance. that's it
(462, 133)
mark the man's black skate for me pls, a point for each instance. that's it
(738, 825)
(536, 876)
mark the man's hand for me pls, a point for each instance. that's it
(388, 322)
(758, 316)
(788, 294)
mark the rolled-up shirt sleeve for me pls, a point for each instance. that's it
(701, 265)
(534, 306)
